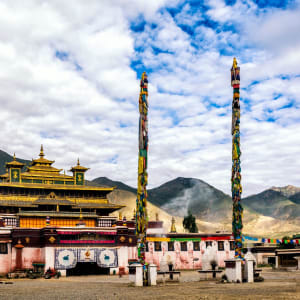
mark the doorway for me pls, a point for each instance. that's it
(87, 268)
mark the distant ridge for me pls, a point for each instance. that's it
(5, 157)
(104, 181)
(274, 204)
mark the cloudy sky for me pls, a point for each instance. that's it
(69, 79)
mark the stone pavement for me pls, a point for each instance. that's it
(277, 285)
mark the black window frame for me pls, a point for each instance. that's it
(183, 246)
(3, 248)
(221, 248)
(198, 246)
(171, 246)
(157, 248)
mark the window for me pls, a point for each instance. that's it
(147, 247)
(170, 246)
(231, 245)
(104, 223)
(183, 246)
(196, 246)
(157, 246)
(209, 243)
(3, 248)
(221, 246)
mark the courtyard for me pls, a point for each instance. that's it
(277, 285)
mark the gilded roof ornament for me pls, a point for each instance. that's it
(173, 227)
(234, 65)
(42, 152)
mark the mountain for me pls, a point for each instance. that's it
(274, 204)
(287, 191)
(295, 198)
(104, 181)
(181, 195)
(5, 157)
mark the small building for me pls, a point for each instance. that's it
(288, 258)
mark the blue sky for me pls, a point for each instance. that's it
(70, 80)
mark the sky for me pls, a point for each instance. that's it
(69, 79)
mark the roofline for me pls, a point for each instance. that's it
(55, 186)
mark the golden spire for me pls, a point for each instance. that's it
(234, 65)
(156, 217)
(120, 216)
(173, 228)
(42, 152)
(14, 157)
(78, 163)
(80, 215)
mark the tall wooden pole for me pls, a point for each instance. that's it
(236, 187)
(141, 201)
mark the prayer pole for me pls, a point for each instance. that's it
(236, 187)
(141, 201)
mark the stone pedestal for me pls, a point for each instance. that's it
(249, 270)
(152, 274)
(298, 259)
(136, 274)
(233, 270)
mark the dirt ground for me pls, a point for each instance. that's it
(277, 285)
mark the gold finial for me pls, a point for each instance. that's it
(173, 227)
(14, 157)
(234, 65)
(78, 163)
(156, 217)
(80, 216)
(42, 152)
(120, 216)
(57, 207)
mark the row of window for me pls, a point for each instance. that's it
(183, 246)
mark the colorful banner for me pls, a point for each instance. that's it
(107, 258)
(65, 259)
(166, 239)
(141, 201)
(236, 187)
(87, 255)
(270, 241)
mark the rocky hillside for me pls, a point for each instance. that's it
(274, 204)
(269, 213)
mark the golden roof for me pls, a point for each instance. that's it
(79, 167)
(15, 163)
(42, 161)
(56, 186)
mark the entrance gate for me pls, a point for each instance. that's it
(87, 268)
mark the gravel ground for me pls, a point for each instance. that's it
(277, 285)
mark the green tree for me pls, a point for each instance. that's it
(189, 223)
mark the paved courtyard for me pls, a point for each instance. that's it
(277, 285)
